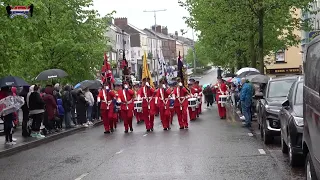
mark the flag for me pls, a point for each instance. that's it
(145, 70)
(181, 72)
(162, 67)
(106, 70)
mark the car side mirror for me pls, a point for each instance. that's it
(286, 104)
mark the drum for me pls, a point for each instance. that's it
(192, 102)
(171, 100)
(223, 99)
(138, 106)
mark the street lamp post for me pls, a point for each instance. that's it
(155, 26)
(194, 53)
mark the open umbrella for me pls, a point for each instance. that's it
(247, 73)
(263, 79)
(90, 84)
(250, 77)
(12, 81)
(50, 74)
(242, 70)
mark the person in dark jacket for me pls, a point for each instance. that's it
(208, 95)
(95, 94)
(25, 111)
(68, 105)
(51, 108)
(81, 108)
(73, 106)
(36, 111)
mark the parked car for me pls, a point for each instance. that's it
(311, 110)
(270, 104)
(291, 120)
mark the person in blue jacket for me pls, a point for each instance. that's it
(246, 94)
(60, 113)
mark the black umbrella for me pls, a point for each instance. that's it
(90, 84)
(260, 79)
(12, 81)
(247, 73)
(50, 74)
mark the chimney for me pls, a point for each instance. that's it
(176, 33)
(158, 29)
(121, 22)
(165, 30)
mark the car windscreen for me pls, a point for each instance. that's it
(279, 88)
(299, 94)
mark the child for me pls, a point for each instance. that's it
(60, 114)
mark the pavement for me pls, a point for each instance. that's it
(210, 149)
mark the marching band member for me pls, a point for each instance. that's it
(118, 89)
(126, 98)
(221, 89)
(198, 88)
(162, 101)
(146, 93)
(171, 102)
(194, 91)
(106, 97)
(181, 104)
(136, 91)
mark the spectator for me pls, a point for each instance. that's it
(36, 111)
(68, 105)
(81, 108)
(95, 114)
(56, 91)
(208, 94)
(61, 113)
(42, 92)
(8, 119)
(51, 109)
(25, 112)
(246, 101)
(89, 98)
(73, 107)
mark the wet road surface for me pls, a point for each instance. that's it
(210, 149)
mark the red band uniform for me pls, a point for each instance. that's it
(193, 113)
(126, 97)
(148, 105)
(181, 105)
(199, 91)
(137, 114)
(108, 116)
(221, 89)
(162, 101)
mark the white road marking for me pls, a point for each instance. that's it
(145, 135)
(119, 152)
(82, 176)
(261, 151)
(250, 134)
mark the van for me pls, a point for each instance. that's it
(311, 110)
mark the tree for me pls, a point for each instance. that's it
(231, 30)
(201, 58)
(61, 34)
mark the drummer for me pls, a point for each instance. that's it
(221, 89)
(171, 102)
(199, 91)
(194, 93)
(137, 114)
(162, 101)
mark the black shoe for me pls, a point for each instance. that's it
(151, 129)
(181, 127)
(126, 131)
(148, 130)
(107, 132)
(112, 130)
(246, 125)
(165, 129)
(186, 127)
(131, 129)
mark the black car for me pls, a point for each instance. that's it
(291, 120)
(270, 104)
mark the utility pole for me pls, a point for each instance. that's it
(194, 53)
(155, 26)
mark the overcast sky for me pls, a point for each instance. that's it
(133, 10)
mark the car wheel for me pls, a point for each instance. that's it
(284, 147)
(267, 138)
(293, 158)
(310, 173)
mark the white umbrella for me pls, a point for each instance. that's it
(242, 70)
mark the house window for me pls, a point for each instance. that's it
(280, 56)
